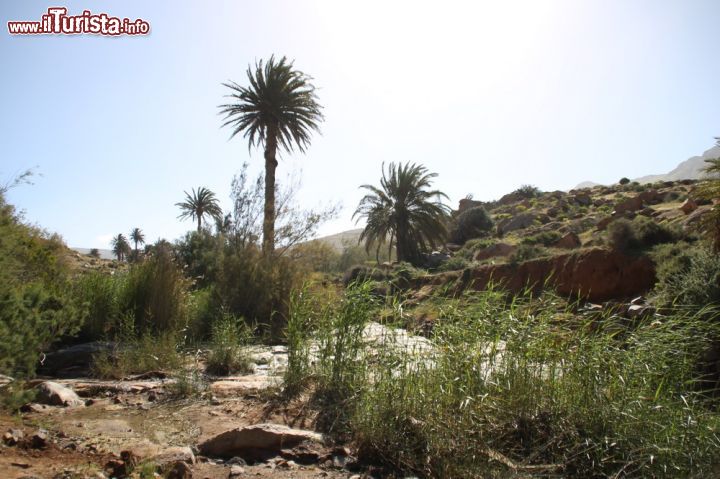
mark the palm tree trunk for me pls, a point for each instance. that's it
(199, 223)
(268, 245)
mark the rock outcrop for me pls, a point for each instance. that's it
(256, 442)
(56, 394)
(595, 274)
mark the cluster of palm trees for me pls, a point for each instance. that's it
(121, 248)
(279, 111)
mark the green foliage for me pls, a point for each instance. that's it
(545, 238)
(101, 292)
(403, 211)
(36, 309)
(509, 388)
(155, 293)
(640, 233)
(624, 181)
(228, 353)
(526, 252)
(454, 264)
(94, 253)
(687, 276)
(199, 204)
(528, 191)
(471, 223)
(137, 354)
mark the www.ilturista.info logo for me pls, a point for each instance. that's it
(57, 21)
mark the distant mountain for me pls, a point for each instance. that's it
(690, 169)
(339, 240)
(586, 184)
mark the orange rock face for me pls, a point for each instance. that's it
(594, 274)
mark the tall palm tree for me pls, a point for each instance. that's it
(709, 189)
(137, 237)
(403, 211)
(120, 246)
(278, 109)
(202, 202)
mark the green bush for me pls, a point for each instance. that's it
(526, 252)
(514, 387)
(528, 191)
(642, 232)
(545, 238)
(36, 307)
(471, 223)
(624, 181)
(454, 264)
(230, 337)
(101, 293)
(687, 276)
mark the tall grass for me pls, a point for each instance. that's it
(529, 386)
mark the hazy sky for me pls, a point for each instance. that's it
(490, 95)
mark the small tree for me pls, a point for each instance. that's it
(198, 204)
(120, 247)
(624, 181)
(471, 223)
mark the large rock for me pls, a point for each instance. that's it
(258, 441)
(629, 205)
(688, 206)
(467, 203)
(74, 361)
(492, 251)
(594, 274)
(56, 394)
(517, 222)
(569, 241)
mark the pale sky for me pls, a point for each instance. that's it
(489, 95)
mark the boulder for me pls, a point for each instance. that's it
(467, 203)
(629, 205)
(603, 223)
(582, 199)
(178, 470)
(56, 394)
(517, 222)
(258, 441)
(650, 197)
(173, 455)
(688, 206)
(498, 249)
(74, 361)
(13, 437)
(569, 241)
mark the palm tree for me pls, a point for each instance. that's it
(199, 204)
(403, 211)
(709, 189)
(120, 246)
(279, 108)
(137, 237)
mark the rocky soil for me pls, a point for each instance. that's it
(233, 427)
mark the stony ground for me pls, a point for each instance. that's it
(90, 428)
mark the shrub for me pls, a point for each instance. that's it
(545, 238)
(528, 191)
(155, 294)
(454, 264)
(471, 223)
(101, 293)
(94, 253)
(624, 181)
(514, 386)
(526, 252)
(642, 232)
(687, 276)
(230, 337)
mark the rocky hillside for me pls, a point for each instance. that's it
(566, 236)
